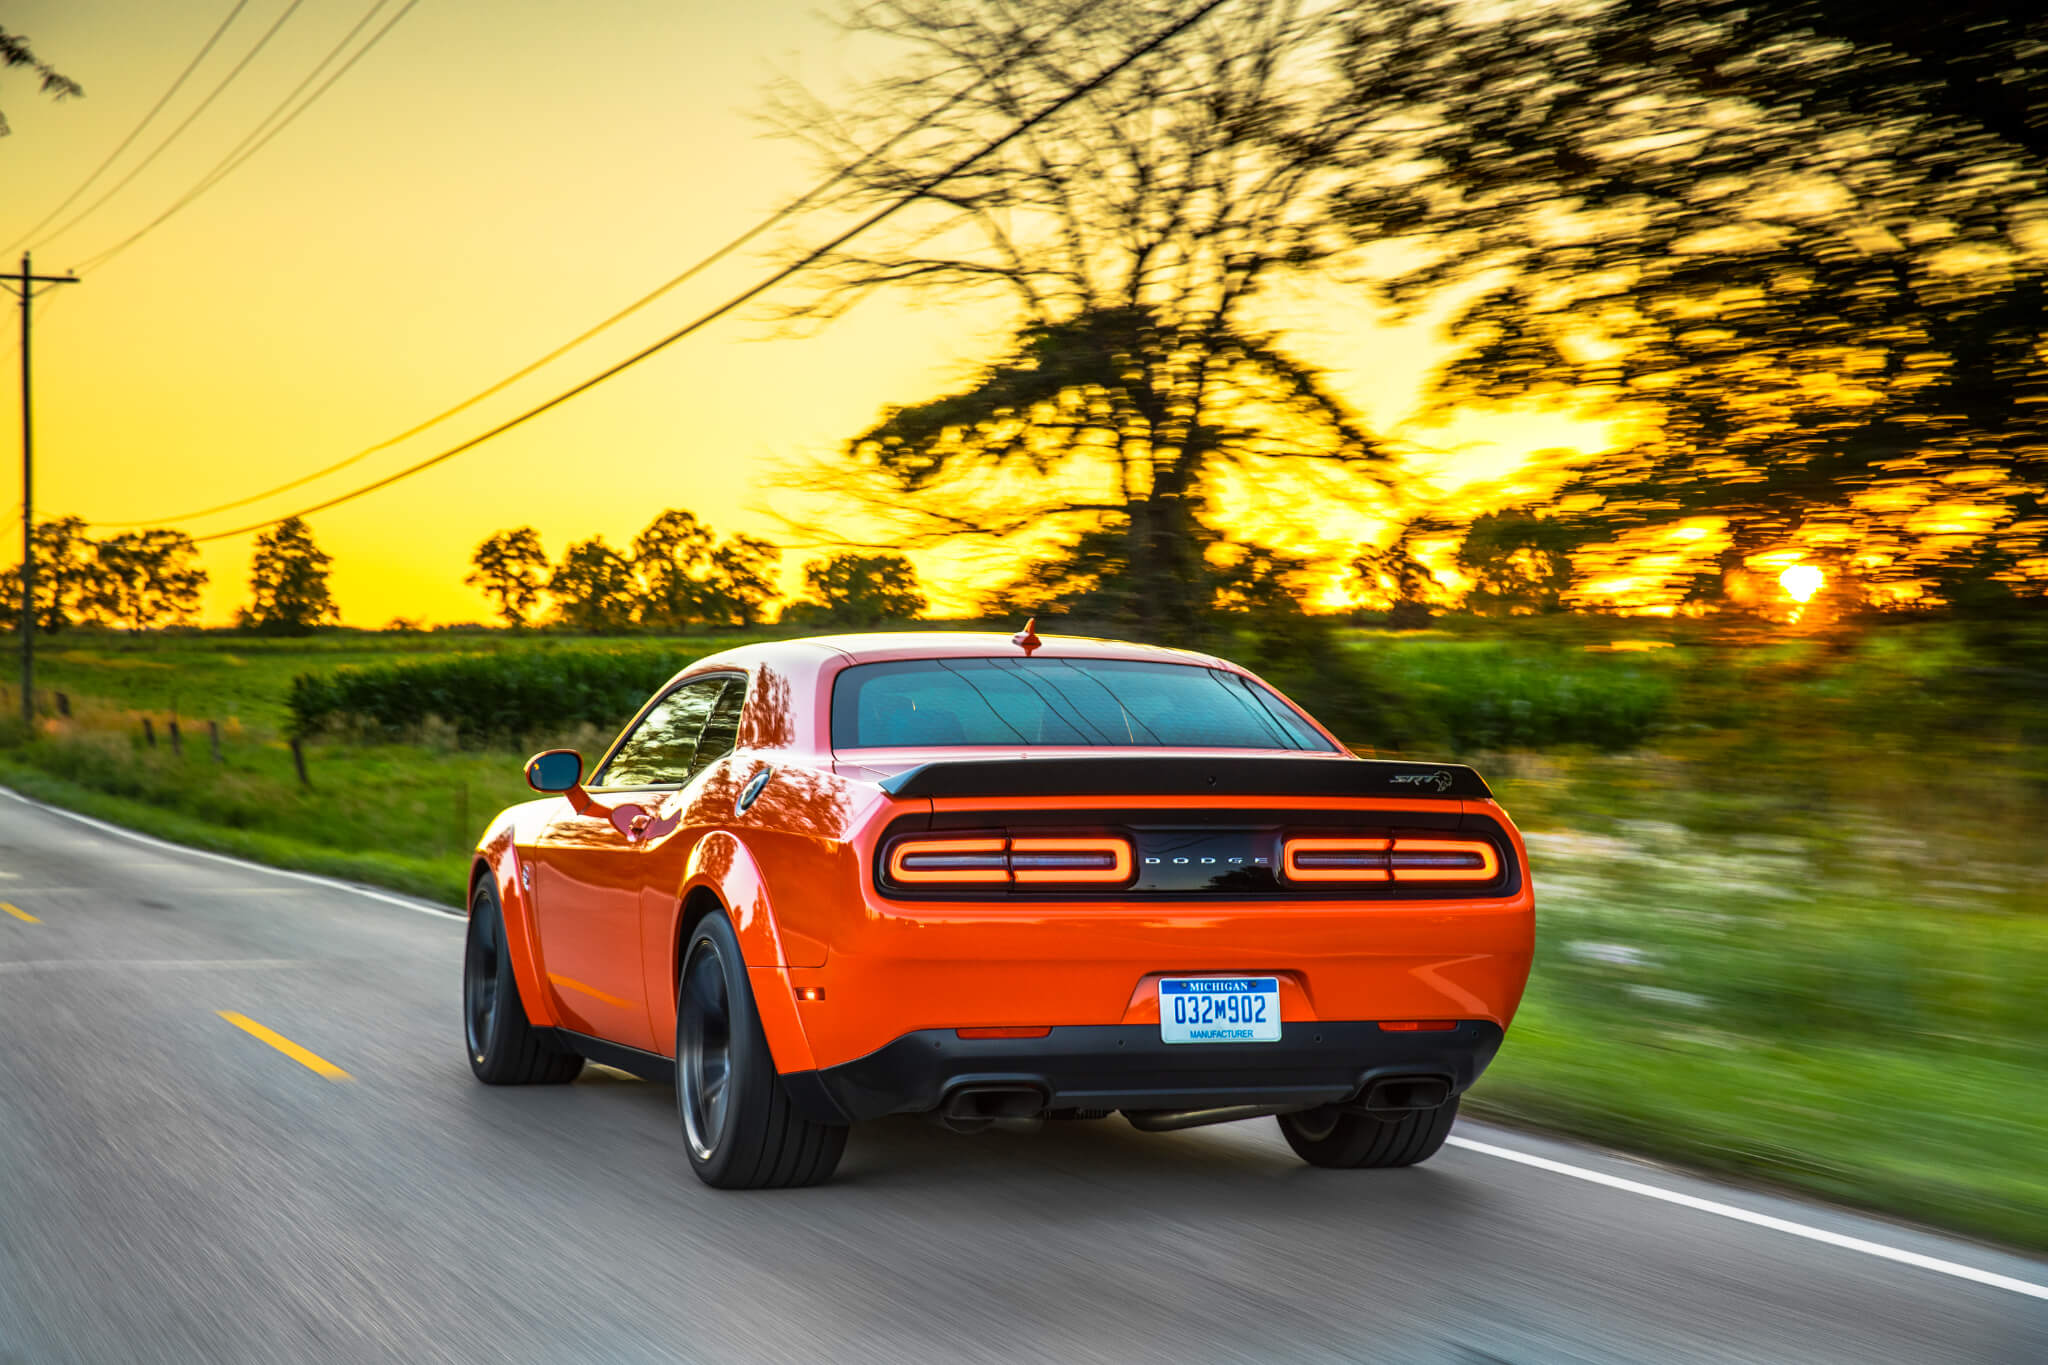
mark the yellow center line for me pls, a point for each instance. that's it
(286, 1046)
(24, 916)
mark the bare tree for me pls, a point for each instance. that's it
(1128, 233)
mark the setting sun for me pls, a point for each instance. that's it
(1801, 582)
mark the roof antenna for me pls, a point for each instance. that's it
(1027, 638)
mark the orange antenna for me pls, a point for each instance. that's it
(1027, 638)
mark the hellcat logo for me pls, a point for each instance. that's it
(1439, 779)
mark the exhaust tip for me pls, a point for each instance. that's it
(972, 1108)
(1402, 1094)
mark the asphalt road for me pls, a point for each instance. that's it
(174, 1188)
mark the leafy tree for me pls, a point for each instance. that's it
(15, 51)
(288, 581)
(149, 578)
(1518, 561)
(1128, 233)
(859, 591)
(68, 578)
(1395, 580)
(673, 560)
(744, 569)
(593, 587)
(510, 567)
(1798, 241)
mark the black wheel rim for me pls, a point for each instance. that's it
(704, 1049)
(481, 967)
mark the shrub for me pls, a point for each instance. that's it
(1491, 697)
(486, 697)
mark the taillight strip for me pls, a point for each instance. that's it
(1336, 860)
(1444, 860)
(1379, 860)
(922, 861)
(1072, 861)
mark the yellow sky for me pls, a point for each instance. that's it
(491, 180)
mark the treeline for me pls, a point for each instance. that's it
(678, 575)
(144, 580)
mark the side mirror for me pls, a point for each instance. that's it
(557, 770)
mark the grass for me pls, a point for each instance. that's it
(1794, 932)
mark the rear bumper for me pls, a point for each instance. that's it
(1124, 1066)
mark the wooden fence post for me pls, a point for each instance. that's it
(177, 738)
(64, 705)
(148, 733)
(299, 762)
(213, 737)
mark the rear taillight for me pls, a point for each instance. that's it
(921, 861)
(1046, 862)
(1398, 860)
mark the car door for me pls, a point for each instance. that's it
(590, 869)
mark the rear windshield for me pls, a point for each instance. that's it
(920, 703)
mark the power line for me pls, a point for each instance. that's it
(178, 131)
(232, 162)
(788, 210)
(136, 131)
(747, 295)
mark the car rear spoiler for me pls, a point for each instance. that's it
(1177, 775)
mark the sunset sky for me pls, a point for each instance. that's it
(487, 182)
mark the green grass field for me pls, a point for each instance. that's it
(1792, 929)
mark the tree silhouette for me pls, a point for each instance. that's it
(510, 566)
(1518, 561)
(1128, 233)
(673, 560)
(288, 582)
(67, 577)
(593, 587)
(744, 567)
(858, 591)
(149, 578)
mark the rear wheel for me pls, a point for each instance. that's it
(1352, 1138)
(504, 1049)
(739, 1127)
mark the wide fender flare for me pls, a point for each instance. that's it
(498, 858)
(723, 867)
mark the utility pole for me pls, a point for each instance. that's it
(25, 286)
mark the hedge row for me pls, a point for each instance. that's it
(1462, 697)
(486, 697)
(1485, 697)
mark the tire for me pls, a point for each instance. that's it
(738, 1126)
(503, 1047)
(1351, 1139)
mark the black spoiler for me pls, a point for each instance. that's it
(1176, 775)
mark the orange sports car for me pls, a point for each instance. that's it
(987, 877)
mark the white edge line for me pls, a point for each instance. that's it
(417, 907)
(1761, 1220)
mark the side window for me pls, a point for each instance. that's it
(722, 730)
(662, 749)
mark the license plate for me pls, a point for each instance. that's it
(1219, 1009)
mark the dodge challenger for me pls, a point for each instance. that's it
(989, 877)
